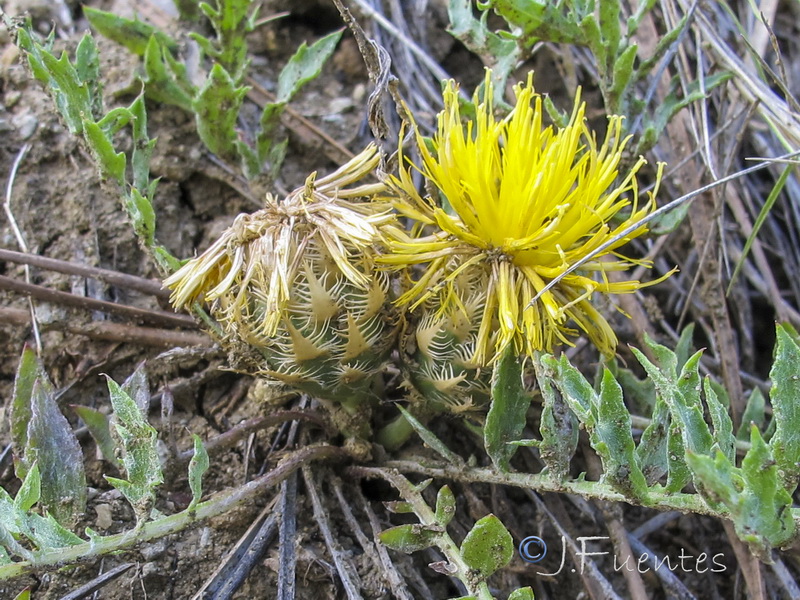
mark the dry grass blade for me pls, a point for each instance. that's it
(597, 586)
(98, 582)
(389, 569)
(344, 566)
(287, 554)
(235, 567)
(374, 549)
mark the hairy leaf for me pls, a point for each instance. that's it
(507, 414)
(140, 453)
(165, 82)
(130, 33)
(785, 398)
(559, 427)
(53, 446)
(409, 538)
(608, 423)
(445, 506)
(488, 546)
(198, 465)
(100, 429)
(305, 65)
(216, 109)
(28, 371)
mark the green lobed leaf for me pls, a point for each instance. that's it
(488, 546)
(558, 427)
(759, 506)
(30, 491)
(269, 150)
(683, 347)
(502, 53)
(216, 107)
(754, 413)
(140, 452)
(652, 448)
(721, 420)
(130, 33)
(430, 438)
(142, 149)
(142, 216)
(678, 472)
(232, 20)
(305, 65)
(161, 83)
(198, 465)
(409, 538)
(112, 164)
(100, 429)
(53, 446)
(507, 414)
(622, 75)
(70, 93)
(28, 371)
(445, 506)
(785, 399)
(608, 423)
(47, 533)
(525, 593)
(621, 466)
(683, 399)
(765, 509)
(609, 22)
(87, 66)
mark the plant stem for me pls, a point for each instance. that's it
(101, 546)
(443, 540)
(659, 500)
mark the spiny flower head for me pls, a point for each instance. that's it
(295, 288)
(523, 202)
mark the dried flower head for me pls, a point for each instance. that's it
(295, 287)
(522, 202)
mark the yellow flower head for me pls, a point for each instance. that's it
(522, 203)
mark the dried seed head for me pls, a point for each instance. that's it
(295, 287)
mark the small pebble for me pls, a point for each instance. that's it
(25, 124)
(104, 520)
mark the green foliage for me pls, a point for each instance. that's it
(216, 102)
(99, 427)
(597, 26)
(488, 547)
(680, 447)
(76, 92)
(507, 413)
(785, 399)
(198, 465)
(759, 505)
(138, 442)
(606, 420)
(34, 524)
(44, 438)
(430, 439)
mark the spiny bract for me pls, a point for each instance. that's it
(295, 286)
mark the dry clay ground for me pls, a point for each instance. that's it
(64, 211)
